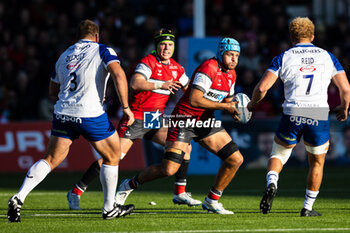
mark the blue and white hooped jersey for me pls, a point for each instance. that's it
(306, 72)
(82, 74)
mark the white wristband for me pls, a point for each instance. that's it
(158, 85)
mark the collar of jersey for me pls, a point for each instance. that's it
(86, 41)
(304, 45)
(160, 61)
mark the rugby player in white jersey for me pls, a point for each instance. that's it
(78, 83)
(155, 78)
(306, 71)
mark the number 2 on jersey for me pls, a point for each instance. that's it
(311, 77)
(73, 81)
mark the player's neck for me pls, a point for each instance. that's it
(162, 60)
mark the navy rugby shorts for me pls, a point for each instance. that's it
(291, 128)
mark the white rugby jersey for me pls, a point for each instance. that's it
(306, 71)
(82, 74)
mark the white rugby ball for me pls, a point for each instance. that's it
(241, 106)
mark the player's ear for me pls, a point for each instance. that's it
(312, 38)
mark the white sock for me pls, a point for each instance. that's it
(36, 173)
(109, 181)
(310, 198)
(211, 201)
(272, 177)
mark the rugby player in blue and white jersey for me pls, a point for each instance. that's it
(78, 84)
(306, 72)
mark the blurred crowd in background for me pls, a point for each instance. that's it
(34, 33)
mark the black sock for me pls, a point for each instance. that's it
(92, 172)
(180, 175)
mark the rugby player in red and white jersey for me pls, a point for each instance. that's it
(211, 88)
(155, 78)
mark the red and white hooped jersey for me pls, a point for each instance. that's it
(156, 72)
(215, 84)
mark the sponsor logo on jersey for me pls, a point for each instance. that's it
(306, 51)
(219, 97)
(303, 120)
(82, 47)
(151, 120)
(307, 69)
(77, 57)
(72, 65)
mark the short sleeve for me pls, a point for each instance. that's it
(184, 80)
(108, 55)
(144, 70)
(276, 64)
(202, 82)
(338, 68)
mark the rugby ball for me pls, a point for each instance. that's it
(241, 106)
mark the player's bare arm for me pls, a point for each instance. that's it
(121, 85)
(139, 83)
(261, 89)
(341, 81)
(197, 100)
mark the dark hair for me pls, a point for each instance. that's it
(164, 31)
(87, 28)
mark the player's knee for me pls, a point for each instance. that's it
(235, 160)
(226, 151)
(188, 152)
(53, 161)
(111, 159)
(169, 170)
(280, 152)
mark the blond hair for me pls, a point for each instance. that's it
(301, 28)
(87, 28)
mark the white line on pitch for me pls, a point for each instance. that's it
(253, 230)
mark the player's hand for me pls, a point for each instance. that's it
(341, 113)
(232, 110)
(129, 115)
(172, 86)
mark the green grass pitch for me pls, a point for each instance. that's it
(46, 208)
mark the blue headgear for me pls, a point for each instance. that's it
(227, 44)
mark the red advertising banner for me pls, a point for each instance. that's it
(22, 144)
